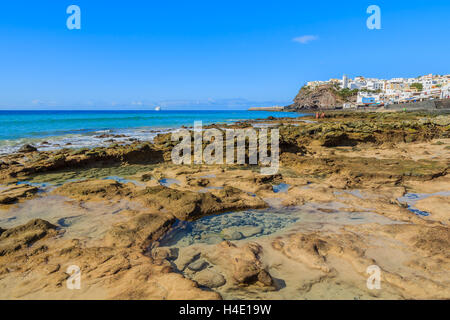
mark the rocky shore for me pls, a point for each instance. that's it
(354, 190)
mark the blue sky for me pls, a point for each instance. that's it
(135, 54)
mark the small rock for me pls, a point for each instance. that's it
(186, 257)
(249, 231)
(209, 278)
(165, 253)
(198, 265)
(27, 148)
(232, 234)
(265, 278)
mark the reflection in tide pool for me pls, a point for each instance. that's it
(34, 184)
(281, 188)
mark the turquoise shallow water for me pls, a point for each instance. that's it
(80, 128)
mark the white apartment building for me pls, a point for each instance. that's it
(344, 82)
(445, 92)
(375, 85)
(428, 84)
(368, 98)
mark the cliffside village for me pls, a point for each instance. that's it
(372, 91)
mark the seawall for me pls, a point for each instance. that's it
(421, 105)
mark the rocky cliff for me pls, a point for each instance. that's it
(322, 97)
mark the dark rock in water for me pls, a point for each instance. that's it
(232, 234)
(198, 265)
(28, 148)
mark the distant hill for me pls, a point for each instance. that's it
(322, 97)
(274, 108)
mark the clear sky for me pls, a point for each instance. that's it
(135, 54)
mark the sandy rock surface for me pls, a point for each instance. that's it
(353, 191)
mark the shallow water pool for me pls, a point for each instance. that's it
(411, 198)
(228, 226)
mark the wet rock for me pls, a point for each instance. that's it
(14, 193)
(209, 278)
(211, 238)
(232, 234)
(27, 148)
(249, 231)
(198, 265)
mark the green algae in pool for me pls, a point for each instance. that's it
(228, 226)
(123, 180)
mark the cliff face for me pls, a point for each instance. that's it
(323, 97)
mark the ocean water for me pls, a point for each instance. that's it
(49, 130)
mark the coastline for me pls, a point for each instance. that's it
(93, 129)
(353, 190)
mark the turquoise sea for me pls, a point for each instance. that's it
(74, 129)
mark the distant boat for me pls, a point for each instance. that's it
(158, 108)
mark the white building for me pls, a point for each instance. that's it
(445, 92)
(375, 85)
(368, 98)
(344, 82)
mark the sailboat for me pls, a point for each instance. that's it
(158, 108)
